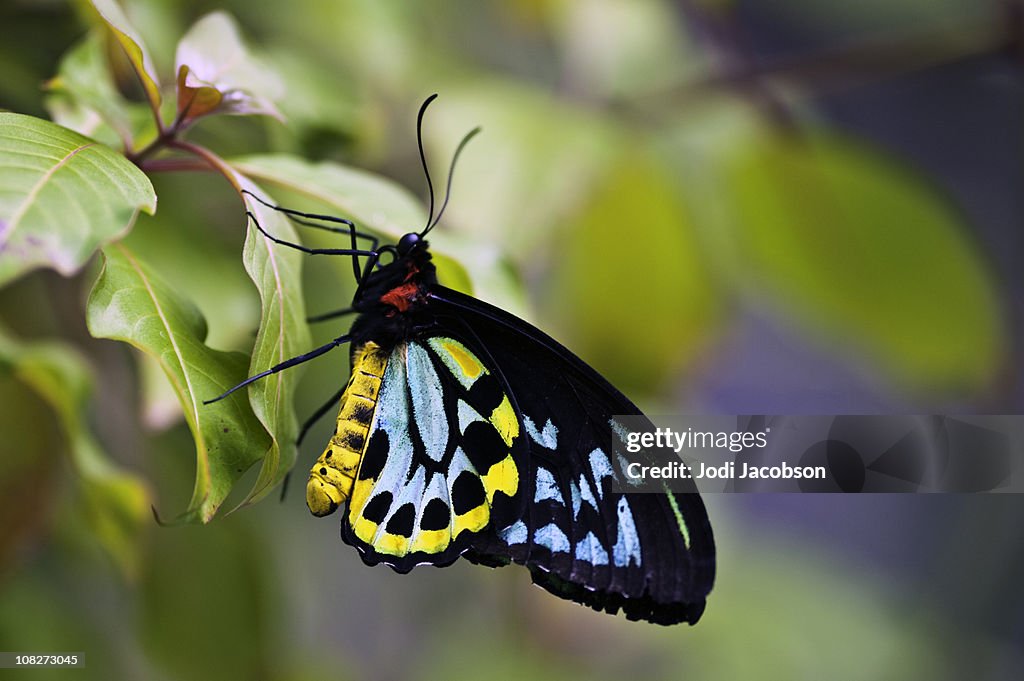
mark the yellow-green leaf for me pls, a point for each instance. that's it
(62, 195)
(115, 501)
(277, 272)
(83, 97)
(855, 243)
(115, 19)
(130, 304)
(633, 285)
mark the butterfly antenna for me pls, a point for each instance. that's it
(451, 173)
(423, 157)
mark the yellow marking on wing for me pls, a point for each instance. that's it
(360, 495)
(502, 477)
(504, 420)
(469, 364)
(473, 520)
(431, 541)
(365, 529)
(392, 544)
(331, 477)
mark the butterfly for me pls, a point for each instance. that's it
(465, 432)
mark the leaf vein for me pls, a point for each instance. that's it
(19, 212)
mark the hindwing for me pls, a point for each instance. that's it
(439, 464)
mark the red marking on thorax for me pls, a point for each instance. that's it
(401, 296)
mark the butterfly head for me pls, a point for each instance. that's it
(398, 285)
(409, 243)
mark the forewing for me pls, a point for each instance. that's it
(650, 555)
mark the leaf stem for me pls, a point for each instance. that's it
(159, 121)
(161, 165)
(166, 138)
(162, 140)
(212, 159)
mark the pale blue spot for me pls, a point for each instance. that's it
(619, 430)
(392, 416)
(437, 488)
(412, 493)
(601, 467)
(547, 488)
(627, 547)
(623, 434)
(591, 551)
(585, 493)
(547, 438)
(392, 413)
(574, 492)
(624, 466)
(460, 462)
(427, 401)
(467, 415)
(514, 534)
(552, 538)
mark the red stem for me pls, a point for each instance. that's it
(212, 159)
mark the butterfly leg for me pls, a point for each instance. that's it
(319, 414)
(309, 423)
(312, 354)
(307, 250)
(301, 218)
(334, 314)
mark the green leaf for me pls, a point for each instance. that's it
(633, 287)
(127, 36)
(195, 245)
(83, 97)
(115, 502)
(160, 408)
(130, 304)
(62, 195)
(277, 272)
(216, 73)
(31, 468)
(858, 245)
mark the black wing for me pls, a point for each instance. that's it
(650, 555)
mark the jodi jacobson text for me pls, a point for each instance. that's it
(727, 471)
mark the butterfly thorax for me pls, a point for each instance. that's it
(393, 297)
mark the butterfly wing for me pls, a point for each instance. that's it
(436, 453)
(650, 555)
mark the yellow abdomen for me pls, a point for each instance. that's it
(331, 478)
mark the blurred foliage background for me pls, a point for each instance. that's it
(724, 206)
